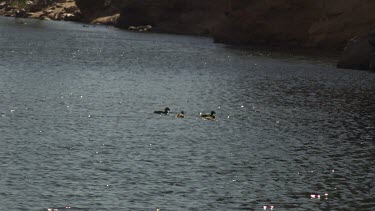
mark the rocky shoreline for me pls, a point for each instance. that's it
(65, 10)
(58, 10)
(322, 24)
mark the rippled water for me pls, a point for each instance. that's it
(77, 124)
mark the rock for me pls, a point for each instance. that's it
(2, 5)
(71, 17)
(54, 16)
(21, 13)
(47, 11)
(93, 10)
(35, 8)
(357, 54)
(106, 20)
(140, 28)
(71, 9)
(9, 8)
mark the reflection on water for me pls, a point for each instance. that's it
(78, 129)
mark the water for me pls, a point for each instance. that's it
(77, 124)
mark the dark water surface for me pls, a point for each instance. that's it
(77, 128)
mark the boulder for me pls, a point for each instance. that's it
(9, 8)
(2, 5)
(357, 54)
(35, 8)
(21, 13)
(71, 17)
(94, 9)
(106, 20)
(48, 11)
(71, 9)
(140, 28)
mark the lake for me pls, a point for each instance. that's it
(78, 130)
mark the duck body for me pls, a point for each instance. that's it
(210, 116)
(181, 115)
(165, 111)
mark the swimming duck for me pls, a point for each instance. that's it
(181, 115)
(165, 111)
(210, 116)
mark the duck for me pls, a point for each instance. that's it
(210, 116)
(181, 115)
(165, 111)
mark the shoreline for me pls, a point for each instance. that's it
(313, 54)
(67, 10)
